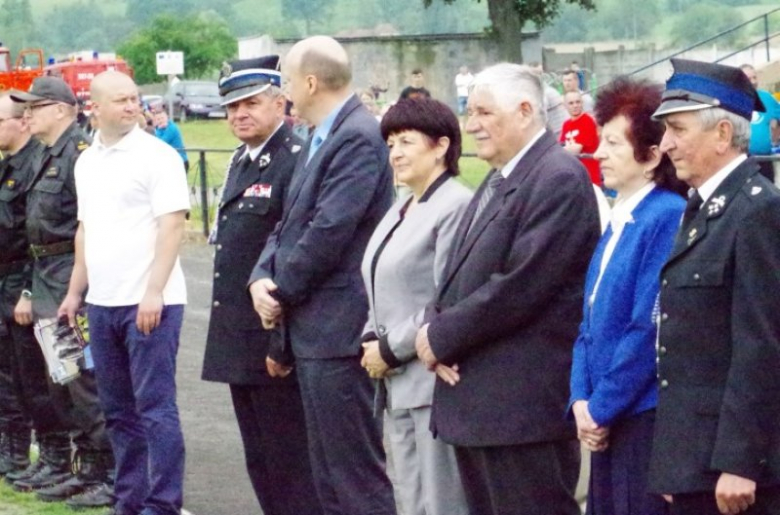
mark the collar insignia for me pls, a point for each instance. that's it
(716, 204)
(756, 190)
(264, 160)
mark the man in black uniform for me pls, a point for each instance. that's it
(717, 435)
(269, 410)
(15, 341)
(50, 109)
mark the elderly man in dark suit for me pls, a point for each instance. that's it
(501, 328)
(308, 277)
(269, 411)
(717, 436)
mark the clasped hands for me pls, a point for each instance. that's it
(448, 374)
(595, 438)
(270, 311)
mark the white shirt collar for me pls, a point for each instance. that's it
(507, 169)
(254, 152)
(123, 144)
(623, 208)
(710, 185)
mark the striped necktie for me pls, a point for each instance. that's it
(493, 183)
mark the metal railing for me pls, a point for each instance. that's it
(765, 40)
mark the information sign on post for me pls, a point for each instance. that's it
(170, 64)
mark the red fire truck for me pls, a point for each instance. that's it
(79, 69)
(21, 73)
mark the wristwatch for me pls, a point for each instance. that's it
(27, 294)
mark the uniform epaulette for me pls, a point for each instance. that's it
(82, 145)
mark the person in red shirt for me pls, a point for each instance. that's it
(580, 135)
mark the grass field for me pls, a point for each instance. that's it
(214, 137)
(14, 503)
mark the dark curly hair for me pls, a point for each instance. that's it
(432, 118)
(637, 100)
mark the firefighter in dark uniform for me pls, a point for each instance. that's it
(16, 341)
(51, 222)
(268, 409)
(716, 447)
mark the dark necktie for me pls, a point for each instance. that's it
(694, 203)
(236, 172)
(494, 181)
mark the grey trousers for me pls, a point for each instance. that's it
(426, 480)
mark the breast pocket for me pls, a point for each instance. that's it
(253, 206)
(47, 198)
(7, 198)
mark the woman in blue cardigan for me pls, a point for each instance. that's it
(613, 381)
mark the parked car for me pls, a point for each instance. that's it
(194, 99)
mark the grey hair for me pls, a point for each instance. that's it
(710, 117)
(511, 84)
(273, 91)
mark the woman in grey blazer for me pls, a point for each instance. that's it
(401, 269)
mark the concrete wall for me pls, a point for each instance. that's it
(387, 61)
(608, 63)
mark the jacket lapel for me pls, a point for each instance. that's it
(252, 173)
(465, 238)
(712, 209)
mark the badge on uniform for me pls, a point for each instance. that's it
(755, 191)
(264, 160)
(716, 205)
(82, 146)
(258, 190)
(10, 184)
(52, 172)
(692, 235)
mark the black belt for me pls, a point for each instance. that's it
(53, 249)
(12, 267)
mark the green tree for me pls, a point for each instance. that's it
(17, 25)
(312, 12)
(508, 17)
(205, 40)
(719, 18)
(81, 26)
(142, 12)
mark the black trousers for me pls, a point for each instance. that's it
(703, 503)
(530, 479)
(276, 450)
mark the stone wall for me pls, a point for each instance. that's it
(387, 61)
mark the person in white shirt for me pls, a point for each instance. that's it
(132, 202)
(463, 80)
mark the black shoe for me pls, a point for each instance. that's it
(62, 491)
(27, 473)
(46, 477)
(95, 496)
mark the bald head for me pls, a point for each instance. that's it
(324, 58)
(107, 82)
(14, 132)
(9, 108)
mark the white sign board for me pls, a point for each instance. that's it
(170, 63)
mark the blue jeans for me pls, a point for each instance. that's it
(137, 388)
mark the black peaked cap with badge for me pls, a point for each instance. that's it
(696, 85)
(247, 77)
(46, 88)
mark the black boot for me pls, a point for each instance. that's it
(97, 471)
(55, 457)
(16, 454)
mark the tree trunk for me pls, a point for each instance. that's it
(507, 29)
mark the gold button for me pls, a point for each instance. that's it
(219, 246)
(665, 282)
(664, 316)
(664, 384)
(216, 274)
(216, 303)
(662, 351)
(696, 277)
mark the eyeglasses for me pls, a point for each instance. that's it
(29, 108)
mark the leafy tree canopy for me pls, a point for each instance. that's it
(205, 40)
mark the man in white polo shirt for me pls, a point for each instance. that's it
(132, 202)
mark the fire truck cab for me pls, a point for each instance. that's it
(21, 73)
(79, 70)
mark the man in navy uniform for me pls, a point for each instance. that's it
(717, 435)
(269, 410)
